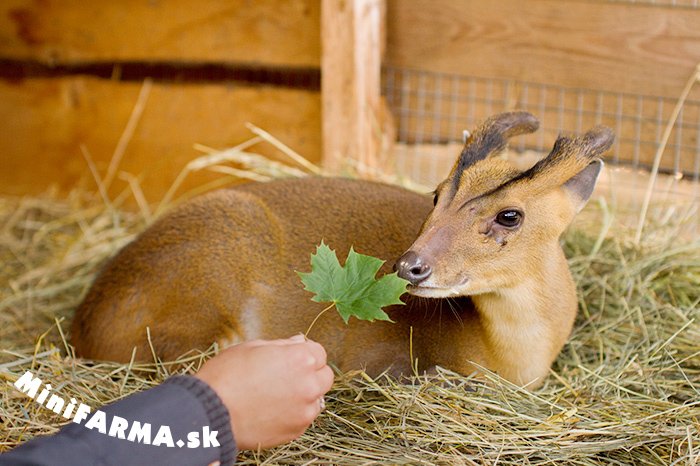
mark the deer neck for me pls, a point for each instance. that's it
(525, 325)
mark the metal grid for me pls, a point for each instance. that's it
(434, 108)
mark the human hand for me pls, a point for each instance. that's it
(272, 389)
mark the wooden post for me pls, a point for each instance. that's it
(352, 43)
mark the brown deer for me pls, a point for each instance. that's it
(490, 285)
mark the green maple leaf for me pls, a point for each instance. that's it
(353, 288)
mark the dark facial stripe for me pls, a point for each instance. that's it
(477, 147)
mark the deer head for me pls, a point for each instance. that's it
(491, 221)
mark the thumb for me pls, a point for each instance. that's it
(296, 339)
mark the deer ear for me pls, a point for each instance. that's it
(580, 186)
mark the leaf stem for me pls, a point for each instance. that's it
(314, 321)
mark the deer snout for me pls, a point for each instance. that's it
(413, 268)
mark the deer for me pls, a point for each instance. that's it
(489, 284)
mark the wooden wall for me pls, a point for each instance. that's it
(45, 122)
(268, 32)
(46, 118)
(615, 46)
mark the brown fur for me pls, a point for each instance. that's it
(221, 268)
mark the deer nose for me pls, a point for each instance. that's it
(413, 268)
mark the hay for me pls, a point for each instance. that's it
(625, 389)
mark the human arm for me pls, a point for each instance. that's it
(270, 388)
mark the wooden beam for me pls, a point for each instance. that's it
(263, 32)
(614, 46)
(351, 52)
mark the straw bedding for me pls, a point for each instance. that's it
(625, 389)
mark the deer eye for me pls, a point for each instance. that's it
(509, 218)
(434, 200)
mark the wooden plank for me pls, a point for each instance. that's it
(619, 47)
(266, 32)
(350, 82)
(45, 121)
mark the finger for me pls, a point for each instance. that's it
(295, 340)
(319, 404)
(318, 352)
(253, 343)
(325, 379)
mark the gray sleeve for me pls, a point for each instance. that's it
(184, 407)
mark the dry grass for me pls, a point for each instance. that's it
(625, 389)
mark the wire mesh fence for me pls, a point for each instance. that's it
(434, 108)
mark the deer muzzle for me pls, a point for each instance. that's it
(413, 267)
